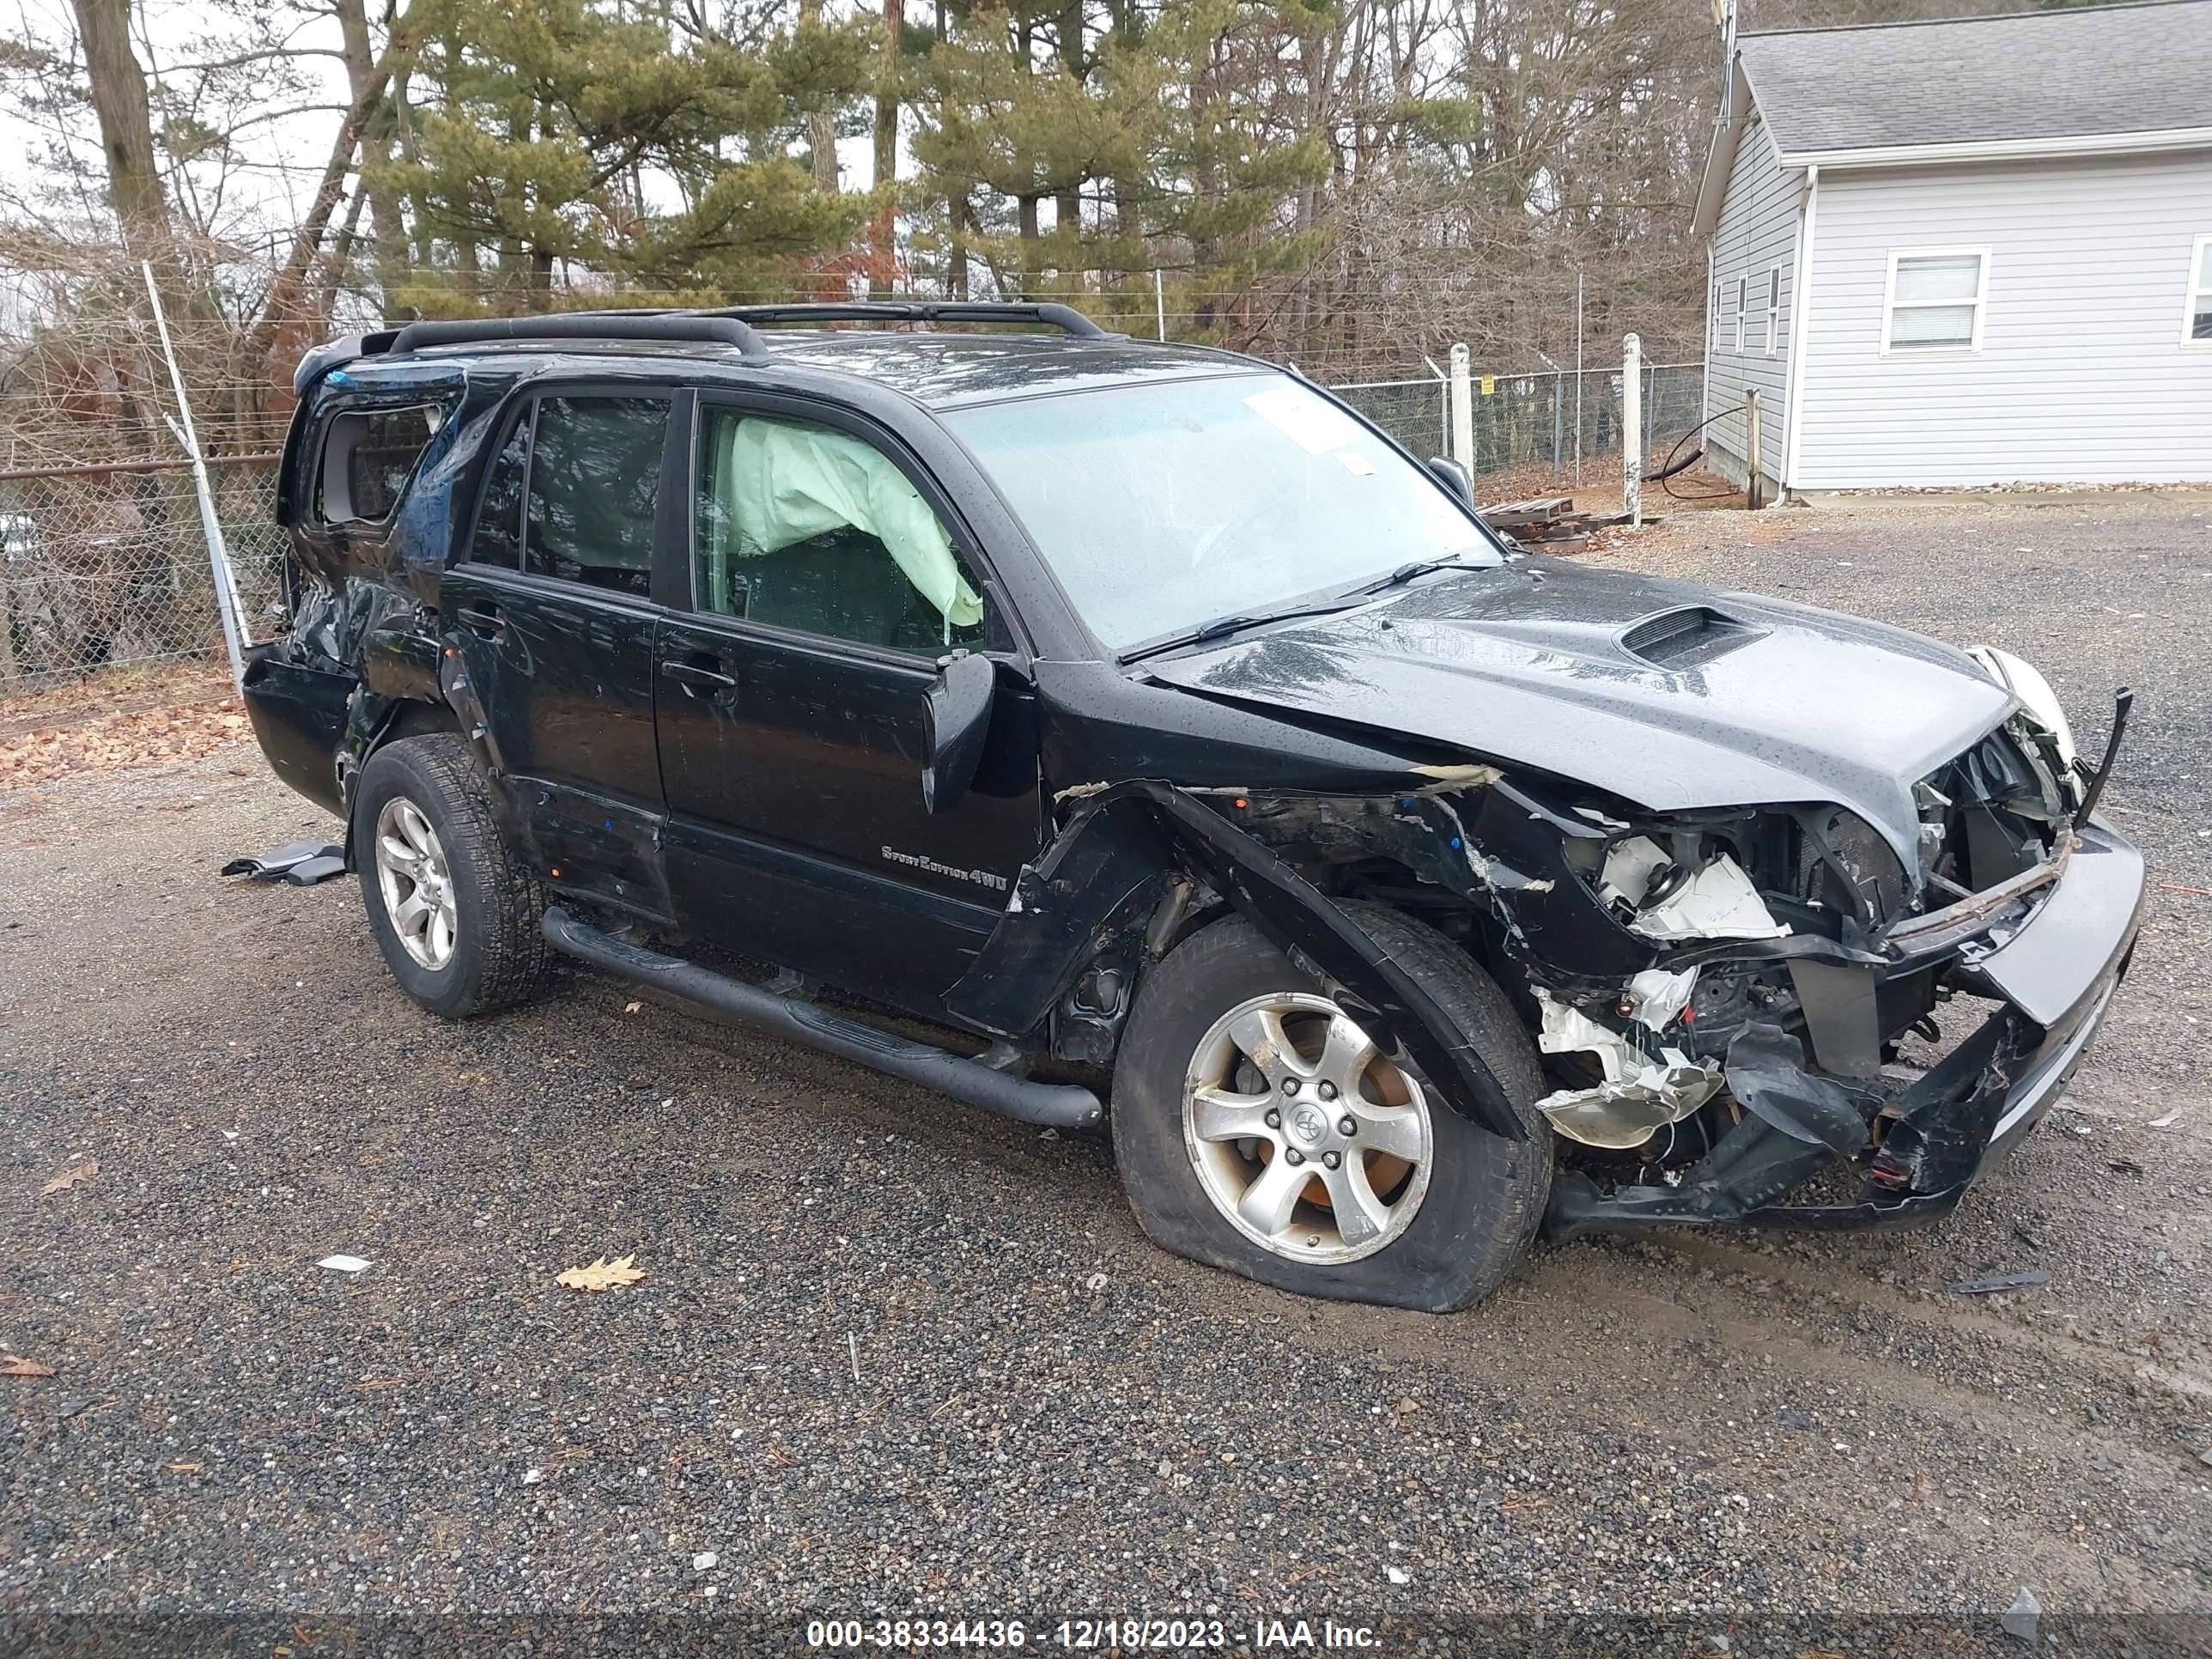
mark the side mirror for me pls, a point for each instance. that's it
(956, 718)
(1453, 476)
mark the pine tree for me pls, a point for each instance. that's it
(1139, 129)
(550, 136)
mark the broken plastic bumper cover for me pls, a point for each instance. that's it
(2052, 979)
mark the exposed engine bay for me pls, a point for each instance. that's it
(1727, 1001)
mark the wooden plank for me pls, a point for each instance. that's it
(1540, 510)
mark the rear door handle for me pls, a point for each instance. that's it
(483, 619)
(707, 676)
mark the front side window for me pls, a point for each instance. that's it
(1774, 311)
(1163, 505)
(498, 538)
(2197, 319)
(803, 526)
(1935, 301)
(594, 485)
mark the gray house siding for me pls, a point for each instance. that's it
(2082, 375)
(1755, 236)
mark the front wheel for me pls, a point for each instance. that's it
(453, 909)
(1258, 1128)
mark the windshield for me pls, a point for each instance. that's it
(1160, 507)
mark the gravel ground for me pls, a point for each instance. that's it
(893, 1355)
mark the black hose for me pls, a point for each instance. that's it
(1682, 465)
(1670, 466)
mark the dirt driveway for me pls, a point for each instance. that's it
(895, 1356)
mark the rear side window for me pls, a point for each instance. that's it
(594, 483)
(369, 456)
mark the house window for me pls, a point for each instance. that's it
(1738, 308)
(2197, 320)
(1935, 299)
(1716, 313)
(1773, 310)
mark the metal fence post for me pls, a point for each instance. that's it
(1631, 429)
(1558, 423)
(226, 590)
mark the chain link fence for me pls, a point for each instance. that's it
(105, 562)
(108, 564)
(1547, 430)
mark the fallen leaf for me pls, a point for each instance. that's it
(602, 1275)
(343, 1264)
(16, 1366)
(2165, 1122)
(187, 1468)
(69, 1178)
(632, 1007)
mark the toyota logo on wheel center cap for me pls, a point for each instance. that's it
(1309, 1123)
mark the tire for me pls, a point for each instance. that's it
(494, 957)
(1483, 1195)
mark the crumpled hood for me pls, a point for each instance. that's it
(1761, 703)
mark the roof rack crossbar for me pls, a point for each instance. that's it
(694, 327)
(1066, 319)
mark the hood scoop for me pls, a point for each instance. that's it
(1687, 637)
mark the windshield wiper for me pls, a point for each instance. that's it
(1405, 573)
(1222, 627)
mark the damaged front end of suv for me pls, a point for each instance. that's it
(1732, 1003)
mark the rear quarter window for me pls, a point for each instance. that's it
(369, 456)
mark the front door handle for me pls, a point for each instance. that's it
(707, 676)
(485, 619)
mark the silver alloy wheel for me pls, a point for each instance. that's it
(1308, 1141)
(416, 886)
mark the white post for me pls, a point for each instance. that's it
(235, 636)
(1160, 304)
(1631, 429)
(1463, 409)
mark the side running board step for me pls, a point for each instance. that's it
(1057, 1105)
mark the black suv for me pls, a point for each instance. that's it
(1156, 729)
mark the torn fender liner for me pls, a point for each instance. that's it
(1766, 1071)
(1294, 915)
(1099, 881)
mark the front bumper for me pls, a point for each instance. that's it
(2053, 978)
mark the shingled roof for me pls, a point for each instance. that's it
(2077, 73)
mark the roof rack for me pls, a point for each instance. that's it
(1066, 319)
(693, 326)
(729, 326)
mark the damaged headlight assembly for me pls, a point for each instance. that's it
(2040, 704)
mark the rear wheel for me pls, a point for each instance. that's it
(453, 910)
(1258, 1128)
